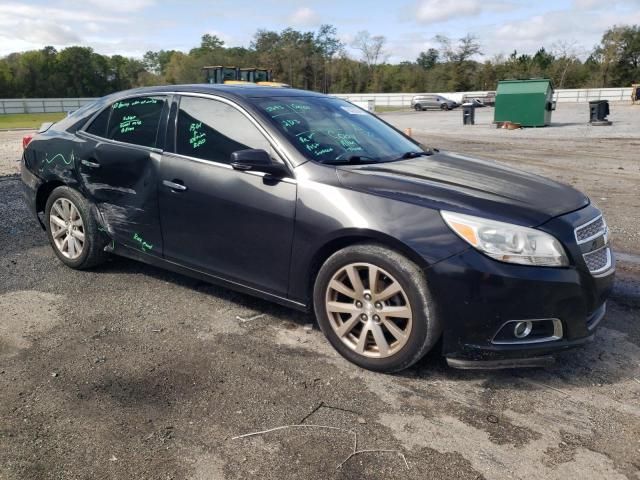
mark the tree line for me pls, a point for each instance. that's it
(319, 60)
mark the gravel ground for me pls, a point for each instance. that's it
(128, 371)
(10, 151)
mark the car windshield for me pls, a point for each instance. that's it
(330, 130)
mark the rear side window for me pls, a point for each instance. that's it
(136, 120)
(99, 125)
(212, 130)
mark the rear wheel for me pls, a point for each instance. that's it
(72, 230)
(418, 107)
(374, 307)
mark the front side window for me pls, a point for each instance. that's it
(136, 120)
(213, 130)
(330, 130)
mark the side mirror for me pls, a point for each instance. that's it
(257, 161)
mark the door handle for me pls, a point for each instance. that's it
(174, 185)
(89, 163)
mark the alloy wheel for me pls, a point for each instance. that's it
(67, 228)
(368, 310)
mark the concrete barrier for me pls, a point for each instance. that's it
(41, 105)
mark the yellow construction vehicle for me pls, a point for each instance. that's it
(236, 76)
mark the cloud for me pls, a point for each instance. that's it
(134, 26)
(12, 11)
(24, 26)
(45, 33)
(580, 4)
(304, 17)
(599, 4)
(428, 12)
(434, 11)
(122, 6)
(28, 34)
(581, 29)
(28, 27)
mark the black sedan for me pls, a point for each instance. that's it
(312, 202)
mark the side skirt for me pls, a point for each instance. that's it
(132, 253)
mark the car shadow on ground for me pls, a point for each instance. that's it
(608, 360)
(122, 265)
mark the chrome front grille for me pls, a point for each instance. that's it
(591, 230)
(599, 260)
(592, 237)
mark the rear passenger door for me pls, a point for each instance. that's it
(118, 166)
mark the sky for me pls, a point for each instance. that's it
(132, 27)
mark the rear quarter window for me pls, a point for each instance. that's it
(75, 119)
(99, 125)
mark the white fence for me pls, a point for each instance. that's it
(41, 105)
(590, 94)
(51, 105)
(561, 96)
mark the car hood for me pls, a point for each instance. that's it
(449, 181)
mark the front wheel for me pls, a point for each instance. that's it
(374, 307)
(444, 106)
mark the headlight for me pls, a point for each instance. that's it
(507, 242)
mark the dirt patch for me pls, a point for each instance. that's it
(25, 316)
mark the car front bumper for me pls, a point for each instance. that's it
(476, 296)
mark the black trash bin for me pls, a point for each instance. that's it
(468, 114)
(598, 111)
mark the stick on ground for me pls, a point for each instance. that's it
(358, 452)
(355, 441)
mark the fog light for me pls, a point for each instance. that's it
(522, 329)
(536, 330)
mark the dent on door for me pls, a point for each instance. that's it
(123, 186)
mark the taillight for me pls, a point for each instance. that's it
(25, 141)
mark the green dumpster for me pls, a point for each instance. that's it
(527, 102)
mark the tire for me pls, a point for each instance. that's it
(418, 107)
(88, 241)
(444, 107)
(338, 306)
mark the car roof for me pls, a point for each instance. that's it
(236, 90)
(241, 93)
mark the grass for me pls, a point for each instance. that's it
(28, 120)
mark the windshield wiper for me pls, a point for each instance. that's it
(407, 155)
(351, 160)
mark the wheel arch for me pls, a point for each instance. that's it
(44, 191)
(351, 237)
